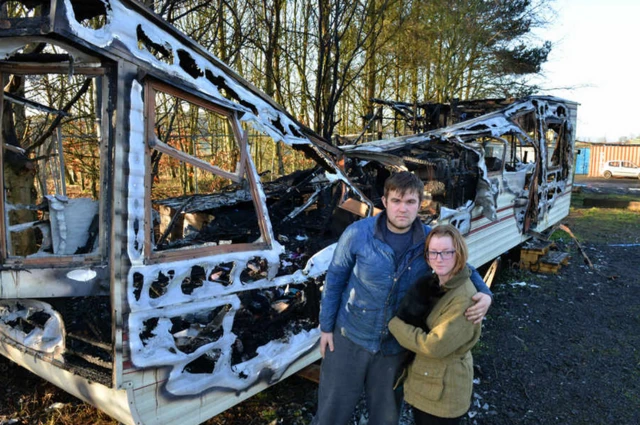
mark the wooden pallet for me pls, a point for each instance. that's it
(538, 257)
(531, 252)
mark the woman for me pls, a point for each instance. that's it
(440, 379)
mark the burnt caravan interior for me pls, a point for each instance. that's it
(57, 173)
(489, 148)
(185, 240)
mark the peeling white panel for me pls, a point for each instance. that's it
(17, 321)
(135, 201)
(70, 222)
(514, 181)
(160, 349)
(319, 263)
(269, 366)
(460, 217)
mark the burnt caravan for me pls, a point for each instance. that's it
(501, 171)
(165, 226)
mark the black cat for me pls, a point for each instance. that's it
(419, 300)
(415, 307)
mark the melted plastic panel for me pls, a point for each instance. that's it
(52, 165)
(34, 324)
(226, 336)
(226, 318)
(267, 301)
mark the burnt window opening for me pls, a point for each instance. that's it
(205, 220)
(89, 348)
(161, 51)
(257, 268)
(91, 14)
(138, 283)
(528, 122)
(517, 154)
(273, 314)
(205, 363)
(200, 192)
(159, 286)
(194, 280)
(52, 164)
(188, 64)
(222, 274)
(449, 172)
(558, 146)
(192, 331)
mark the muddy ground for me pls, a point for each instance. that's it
(555, 349)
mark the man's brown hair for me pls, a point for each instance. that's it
(402, 183)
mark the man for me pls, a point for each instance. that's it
(375, 262)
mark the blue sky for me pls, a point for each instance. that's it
(597, 52)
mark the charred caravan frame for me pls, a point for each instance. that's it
(157, 259)
(500, 172)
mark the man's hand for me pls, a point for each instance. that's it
(479, 309)
(326, 338)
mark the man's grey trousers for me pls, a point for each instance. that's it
(346, 372)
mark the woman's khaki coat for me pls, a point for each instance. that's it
(440, 379)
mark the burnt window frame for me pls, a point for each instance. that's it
(100, 256)
(561, 142)
(245, 168)
(491, 140)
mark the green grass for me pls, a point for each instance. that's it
(577, 198)
(597, 225)
(603, 225)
